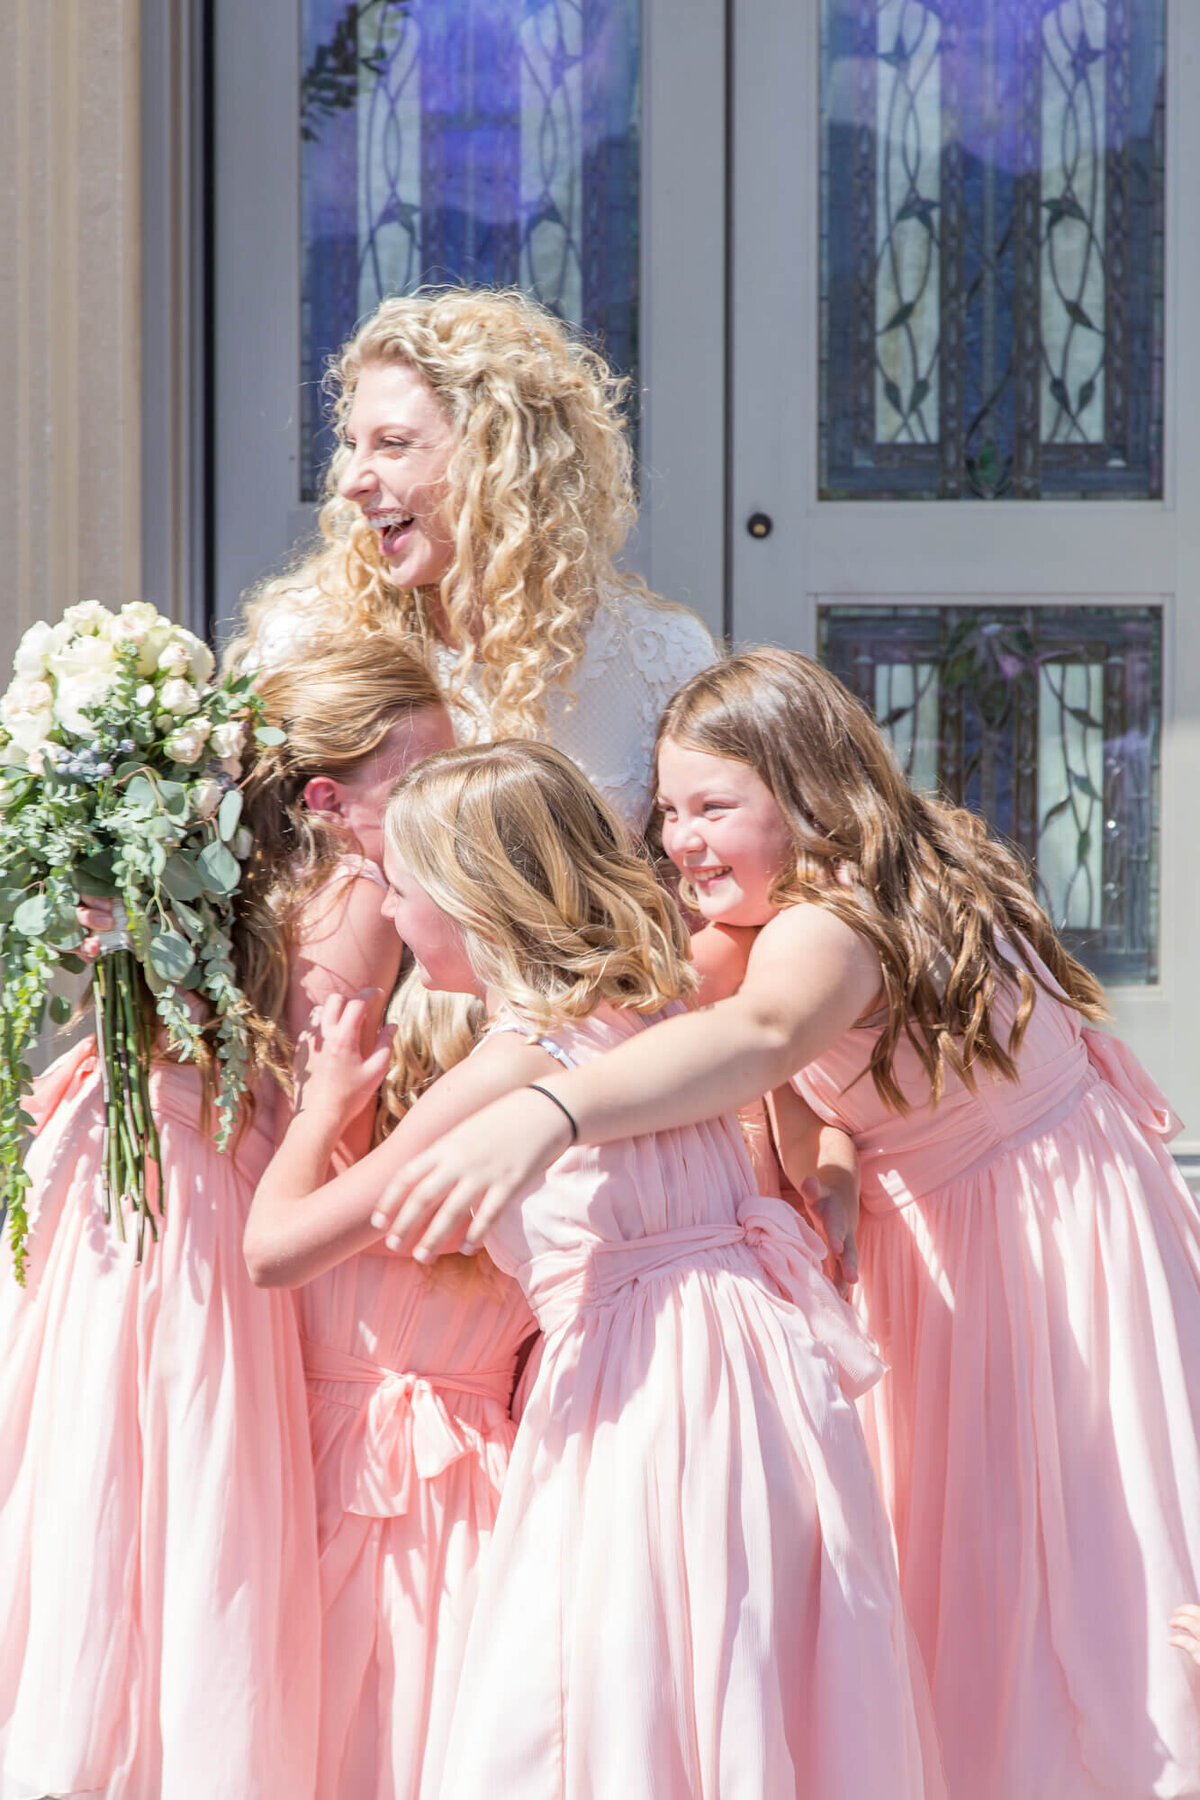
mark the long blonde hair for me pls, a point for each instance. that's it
(337, 706)
(513, 843)
(942, 903)
(540, 493)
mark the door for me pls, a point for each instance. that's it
(573, 147)
(963, 238)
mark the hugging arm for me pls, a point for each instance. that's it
(301, 1223)
(809, 976)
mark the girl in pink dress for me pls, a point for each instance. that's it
(1030, 1257)
(690, 1590)
(158, 1549)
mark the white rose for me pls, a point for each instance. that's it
(228, 739)
(84, 671)
(178, 697)
(144, 695)
(133, 624)
(201, 661)
(186, 743)
(205, 796)
(232, 766)
(88, 616)
(152, 647)
(28, 725)
(243, 842)
(173, 658)
(33, 649)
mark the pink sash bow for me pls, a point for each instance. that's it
(404, 1430)
(1116, 1064)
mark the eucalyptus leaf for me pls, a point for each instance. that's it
(180, 878)
(174, 798)
(32, 916)
(10, 899)
(170, 955)
(270, 735)
(74, 965)
(60, 1008)
(218, 868)
(229, 814)
(140, 793)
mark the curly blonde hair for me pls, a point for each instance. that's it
(540, 495)
(941, 902)
(560, 915)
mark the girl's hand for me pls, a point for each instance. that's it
(96, 916)
(832, 1202)
(1185, 1630)
(335, 1072)
(471, 1174)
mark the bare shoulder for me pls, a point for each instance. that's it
(807, 949)
(721, 954)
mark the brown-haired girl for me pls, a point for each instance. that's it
(1030, 1257)
(690, 1589)
(158, 1544)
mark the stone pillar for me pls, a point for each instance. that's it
(70, 311)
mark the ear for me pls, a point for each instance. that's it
(322, 794)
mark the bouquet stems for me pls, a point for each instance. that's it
(130, 1133)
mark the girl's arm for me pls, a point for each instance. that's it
(343, 945)
(299, 1223)
(809, 976)
(821, 1163)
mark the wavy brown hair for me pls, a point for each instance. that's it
(949, 910)
(559, 913)
(337, 705)
(540, 492)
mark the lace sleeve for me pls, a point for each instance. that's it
(638, 655)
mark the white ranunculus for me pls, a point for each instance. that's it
(179, 698)
(173, 658)
(84, 671)
(243, 842)
(205, 796)
(33, 650)
(186, 743)
(88, 616)
(228, 739)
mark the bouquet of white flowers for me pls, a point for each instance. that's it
(119, 763)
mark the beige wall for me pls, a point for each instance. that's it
(70, 325)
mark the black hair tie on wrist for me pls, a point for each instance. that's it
(554, 1099)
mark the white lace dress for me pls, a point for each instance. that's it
(638, 654)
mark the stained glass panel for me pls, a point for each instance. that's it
(491, 142)
(1045, 720)
(992, 248)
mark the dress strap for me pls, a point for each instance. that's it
(543, 1043)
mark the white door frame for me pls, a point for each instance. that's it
(259, 515)
(1042, 552)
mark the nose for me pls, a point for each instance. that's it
(356, 480)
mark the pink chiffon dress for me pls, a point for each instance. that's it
(690, 1591)
(158, 1559)
(1030, 1268)
(410, 1371)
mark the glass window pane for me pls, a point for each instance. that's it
(1044, 719)
(992, 268)
(483, 141)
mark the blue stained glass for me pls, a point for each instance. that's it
(491, 142)
(992, 248)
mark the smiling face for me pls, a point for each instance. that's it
(400, 442)
(722, 828)
(437, 941)
(359, 798)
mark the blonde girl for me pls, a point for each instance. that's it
(1030, 1258)
(480, 493)
(690, 1589)
(409, 1374)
